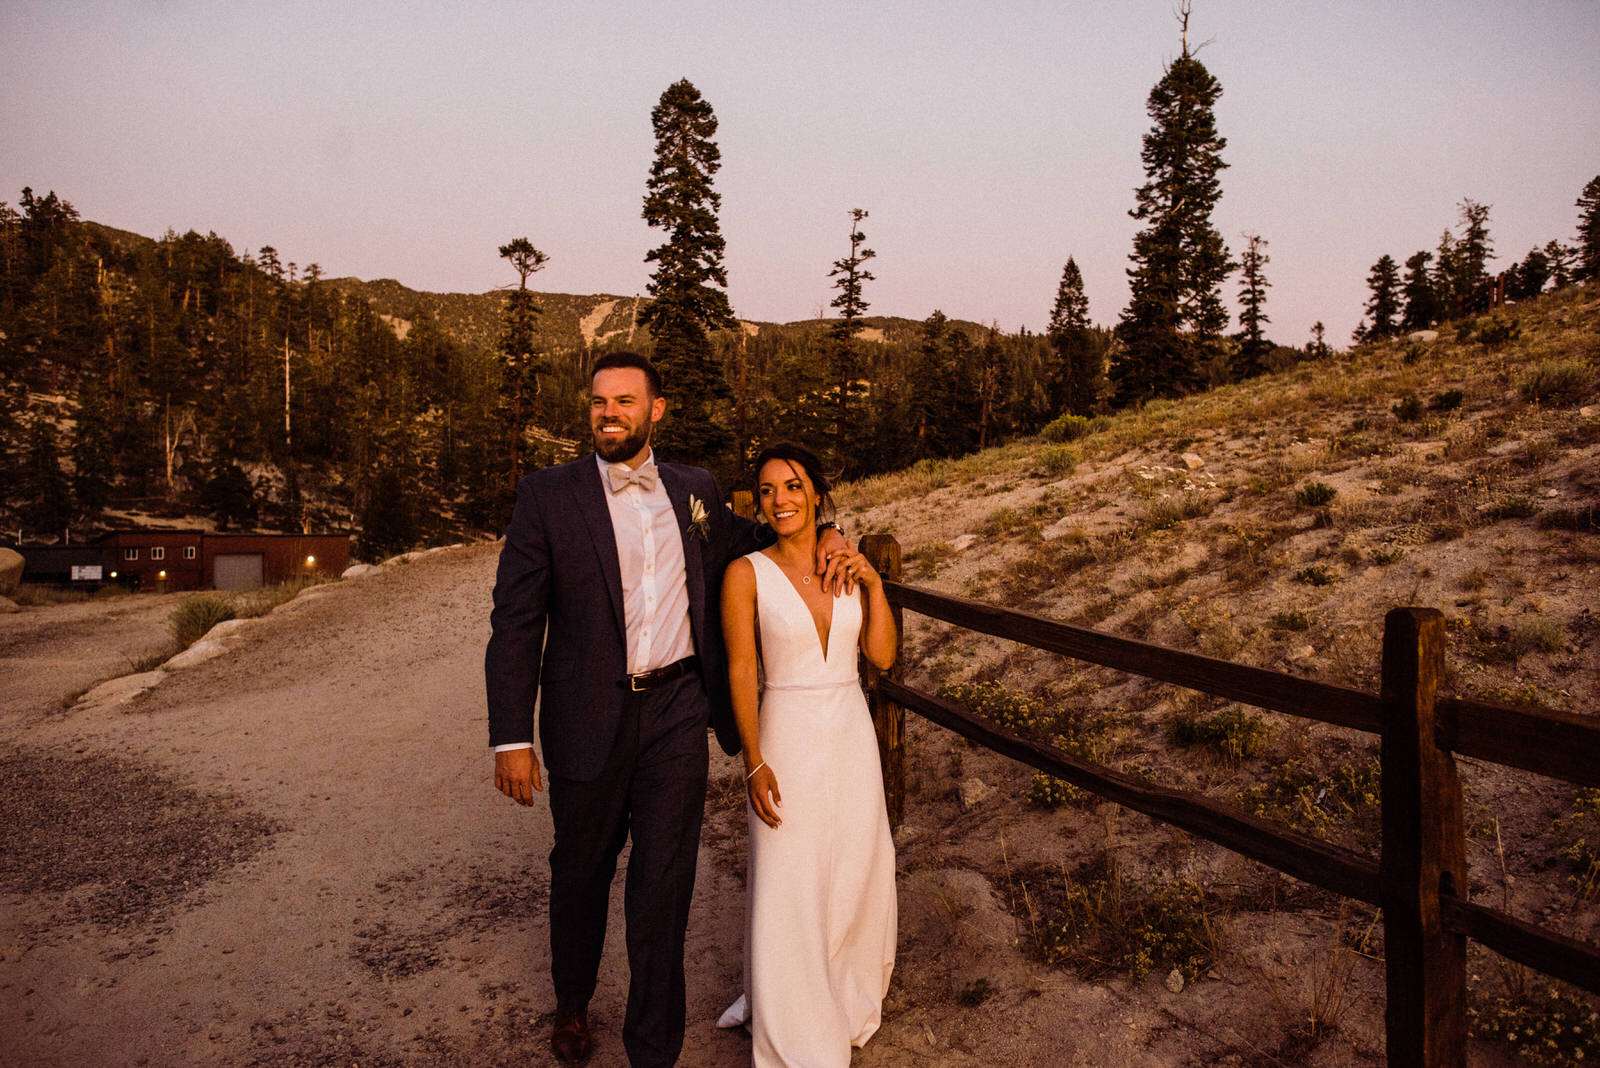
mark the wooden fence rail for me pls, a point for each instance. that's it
(1420, 877)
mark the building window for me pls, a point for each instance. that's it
(188, 552)
(158, 552)
(130, 554)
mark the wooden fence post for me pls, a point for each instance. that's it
(744, 503)
(1423, 852)
(883, 552)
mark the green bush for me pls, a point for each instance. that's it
(1058, 460)
(1233, 732)
(1315, 494)
(1047, 791)
(1556, 381)
(1408, 409)
(1065, 428)
(1545, 1027)
(1315, 575)
(197, 614)
(1497, 333)
(1113, 923)
(1294, 620)
(1448, 401)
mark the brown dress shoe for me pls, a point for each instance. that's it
(570, 1040)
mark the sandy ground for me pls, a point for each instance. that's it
(293, 854)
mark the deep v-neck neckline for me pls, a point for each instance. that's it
(825, 640)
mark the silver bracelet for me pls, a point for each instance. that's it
(755, 769)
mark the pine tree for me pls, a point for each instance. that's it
(523, 363)
(850, 275)
(1560, 258)
(1383, 307)
(1081, 375)
(1589, 230)
(1527, 279)
(1170, 329)
(1254, 348)
(1317, 348)
(689, 284)
(1422, 308)
(1461, 274)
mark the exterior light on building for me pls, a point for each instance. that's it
(311, 561)
(113, 574)
(162, 575)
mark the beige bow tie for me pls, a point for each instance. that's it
(622, 476)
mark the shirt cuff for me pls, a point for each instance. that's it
(512, 745)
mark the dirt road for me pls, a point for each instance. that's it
(293, 854)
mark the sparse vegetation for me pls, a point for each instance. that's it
(1543, 1026)
(1408, 409)
(196, 614)
(1556, 382)
(1294, 619)
(1234, 732)
(1315, 575)
(1103, 921)
(1065, 428)
(1315, 494)
(1323, 803)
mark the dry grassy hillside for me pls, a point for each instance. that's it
(1270, 523)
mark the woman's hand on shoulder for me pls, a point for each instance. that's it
(855, 568)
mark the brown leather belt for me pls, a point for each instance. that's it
(649, 680)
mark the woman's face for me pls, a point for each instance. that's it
(788, 500)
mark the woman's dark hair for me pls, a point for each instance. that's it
(807, 461)
(629, 359)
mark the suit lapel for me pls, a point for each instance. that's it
(590, 491)
(693, 566)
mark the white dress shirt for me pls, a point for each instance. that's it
(655, 589)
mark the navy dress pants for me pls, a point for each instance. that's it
(652, 788)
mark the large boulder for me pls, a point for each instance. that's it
(10, 571)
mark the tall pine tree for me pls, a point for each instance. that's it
(518, 348)
(1383, 307)
(1175, 317)
(846, 393)
(1422, 308)
(1080, 373)
(689, 284)
(1589, 230)
(1254, 348)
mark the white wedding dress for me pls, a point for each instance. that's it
(820, 927)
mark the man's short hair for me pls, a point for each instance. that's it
(629, 359)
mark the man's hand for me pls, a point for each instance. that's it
(832, 551)
(516, 774)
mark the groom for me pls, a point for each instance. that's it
(607, 609)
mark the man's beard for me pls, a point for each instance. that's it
(625, 448)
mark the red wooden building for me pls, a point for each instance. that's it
(199, 559)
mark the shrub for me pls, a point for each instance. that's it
(1545, 1027)
(1112, 923)
(1020, 712)
(1383, 555)
(197, 614)
(1448, 401)
(1294, 620)
(1511, 506)
(1315, 575)
(1316, 802)
(1408, 409)
(1315, 494)
(1556, 381)
(1065, 428)
(1233, 732)
(1058, 460)
(1498, 332)
(1047, 791)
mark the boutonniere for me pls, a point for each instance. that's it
(699, 519)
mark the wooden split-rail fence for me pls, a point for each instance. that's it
(1419, 880)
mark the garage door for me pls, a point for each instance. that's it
(238, 571)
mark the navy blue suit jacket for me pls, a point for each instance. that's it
(558, 630)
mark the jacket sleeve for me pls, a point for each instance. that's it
(521, 603)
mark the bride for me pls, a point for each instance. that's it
(820, 929)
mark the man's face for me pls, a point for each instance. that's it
(622, 413)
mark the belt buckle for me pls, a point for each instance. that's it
(633, 682)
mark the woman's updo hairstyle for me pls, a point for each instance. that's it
(807, 461)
